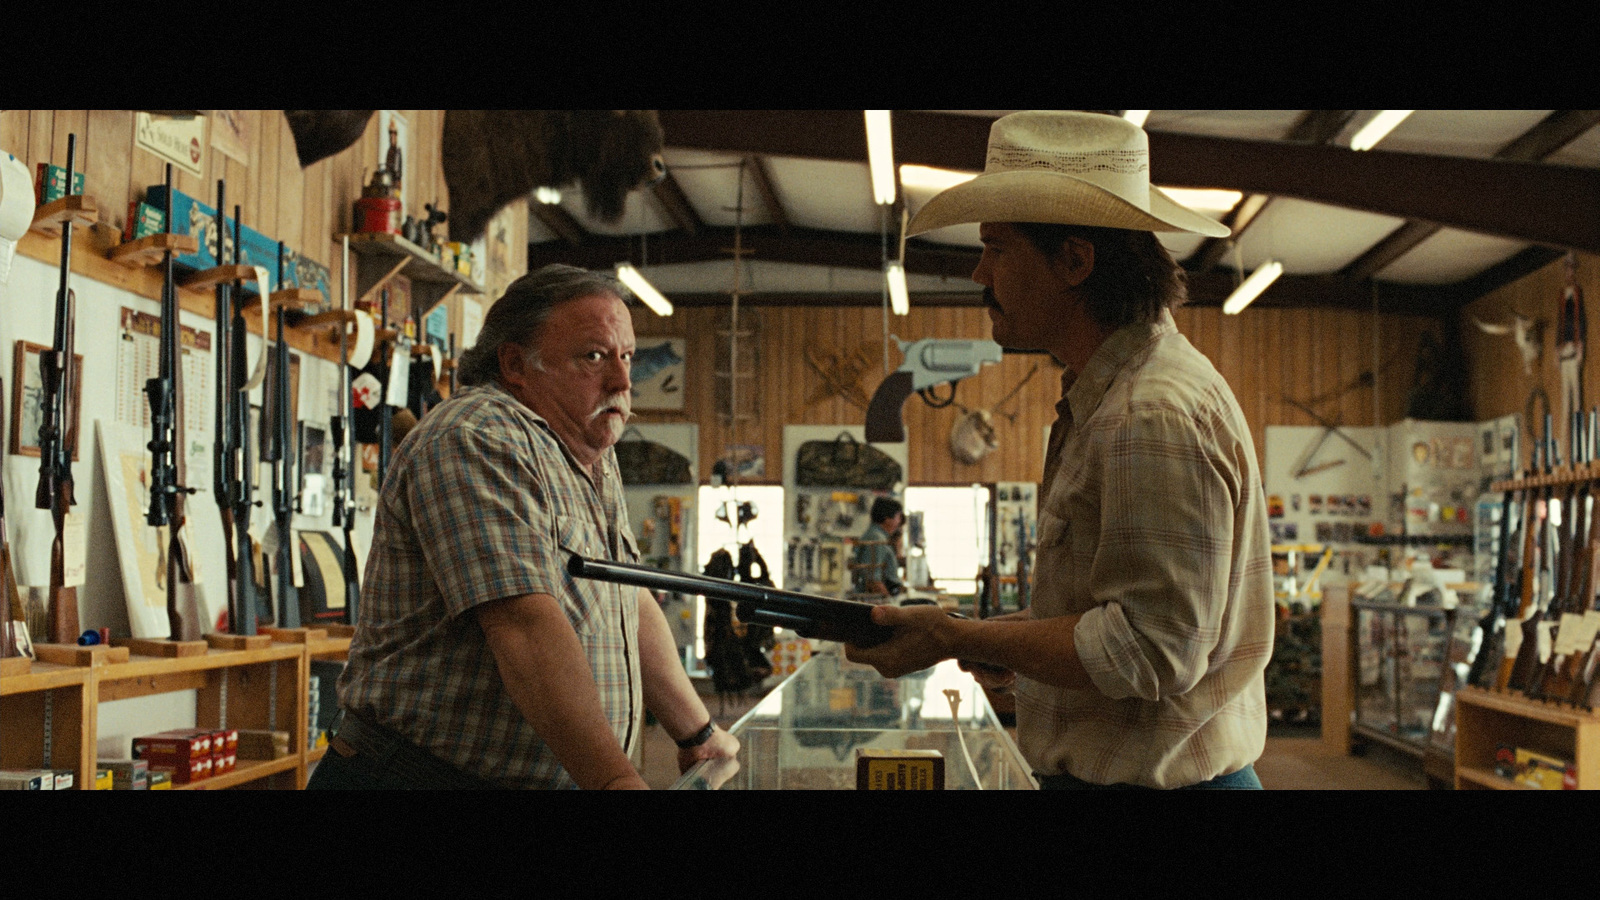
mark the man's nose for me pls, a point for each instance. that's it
(619, 375)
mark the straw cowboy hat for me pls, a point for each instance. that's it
(1066, 168)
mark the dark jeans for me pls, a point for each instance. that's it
(1243, 780)
(366, 757)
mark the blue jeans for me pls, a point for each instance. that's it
(1243, 780)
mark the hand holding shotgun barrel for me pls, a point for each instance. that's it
(58, 435)
(167, 462)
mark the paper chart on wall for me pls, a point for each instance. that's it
(139, 360)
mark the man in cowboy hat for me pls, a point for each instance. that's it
(1140, 663)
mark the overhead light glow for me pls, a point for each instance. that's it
(899, 297)
(880, 156)
(1379, 128)
(1205, 199)
(1136, 116)
(1258, 281)
(646, 291)
(929, 178)
(549, 196)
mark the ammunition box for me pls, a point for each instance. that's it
(50, 183)
(899, 770)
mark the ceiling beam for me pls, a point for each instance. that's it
(1556, 130)
(769, 196)
(1529, 201)
(1315, 126)
(672, 198)
(561, 222)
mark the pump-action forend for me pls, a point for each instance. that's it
(809, 615)
(928, 362)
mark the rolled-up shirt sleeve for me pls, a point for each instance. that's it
(1160, 576)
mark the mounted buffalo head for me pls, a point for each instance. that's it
(492, 157)
(320, 133)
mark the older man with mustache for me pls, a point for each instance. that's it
(479, 662)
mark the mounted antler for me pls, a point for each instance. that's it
(1529, 335)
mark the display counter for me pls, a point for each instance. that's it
(805, 734)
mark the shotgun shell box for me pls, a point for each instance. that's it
(181, 771)
(128, 774)
(27, 780)
(191, 744)
(899, 770)
(223, 763)
(1543, 771)
(160, 780)
(143, 221)
(258, 744)
(64, 780)
(103, 780)
(225, 740)
(50, 183)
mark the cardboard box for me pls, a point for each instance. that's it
(160, 780)
(225, 740)
(64, 779)
(50, 183)
(143, 221)
(27, 780)
(184, 744)
(104, 780)
(899, 770)
(258, 744)
(127, 774)
(223, 763)
(1545, 772)
(181, 771)
(191, 217)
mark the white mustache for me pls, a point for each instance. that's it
(623, 402)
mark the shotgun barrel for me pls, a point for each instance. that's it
(282, 457)
(809, 615)
(242, 619)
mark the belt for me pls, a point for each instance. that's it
(383, 748)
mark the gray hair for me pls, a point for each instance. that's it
(518, 316)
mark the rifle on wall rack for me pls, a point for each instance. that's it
(385, 411)
(167, 462)
(58, 433)
(1571, 596)
(279, 450)
(1527, 582)
(1538, 592)
(10, 599)
(242, 619)
(345, 461)
(1507, 589)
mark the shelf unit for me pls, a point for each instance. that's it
(50, 713)
(1487, 719)
(391, 255)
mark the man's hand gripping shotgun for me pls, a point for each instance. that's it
(928, 362)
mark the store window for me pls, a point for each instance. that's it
(954, 534)
(713, 534)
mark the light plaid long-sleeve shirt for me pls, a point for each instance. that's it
(1153, 527)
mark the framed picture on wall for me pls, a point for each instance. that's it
(657, 373)
(27, 397)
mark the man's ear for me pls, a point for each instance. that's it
(513, 364)
(1075, 262)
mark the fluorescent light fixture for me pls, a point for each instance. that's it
(646, 291)
(1379, 128)
(880, 156)
(1258, 281)
(899, 297)
(549, 196)
(1136, 116)
(929, 178)
(1205, 199)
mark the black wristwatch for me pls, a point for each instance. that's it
(699, 737)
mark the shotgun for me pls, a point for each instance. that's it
(10, 599)
(385, 411)
(1507, 589)
(224, 460)
(58, 434)
(280, 452)
(1536, 558)
(242, 619)
(809, 615)
(167, 462)
(344, 458)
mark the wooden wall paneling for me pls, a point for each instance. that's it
(41, 134)
(290, 192)
(266, 163)
(70, 122)
(14, 133)
(109, 163)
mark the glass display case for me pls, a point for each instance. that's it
(804, 735)
(1401, 658)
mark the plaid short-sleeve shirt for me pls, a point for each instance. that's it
(1153, 528)
(483, 502)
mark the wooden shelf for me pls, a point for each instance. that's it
(1486, 778)
(152, 250)
(44, 677)
(244, 772)
(79, 209)
(391, 255)
(1486, 720)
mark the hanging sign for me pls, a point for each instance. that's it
(178, 139)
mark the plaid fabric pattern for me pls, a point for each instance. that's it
(483, 502)
(1153, 527)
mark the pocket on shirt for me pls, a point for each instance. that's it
(584, 602)
(1052, 569)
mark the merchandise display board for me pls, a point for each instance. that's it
(831, 475)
